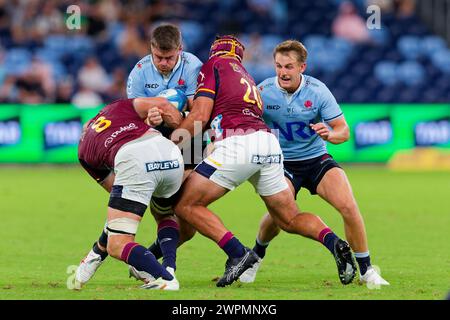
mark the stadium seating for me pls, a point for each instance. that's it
(402, 55)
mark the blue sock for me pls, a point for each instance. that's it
(139, 257)
(155, 249)
(232, 246)
(329, 241)
(260, 248)
(363, 259)
(168, 236)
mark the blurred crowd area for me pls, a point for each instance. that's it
(43, 61)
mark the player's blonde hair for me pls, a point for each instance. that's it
(292, 45)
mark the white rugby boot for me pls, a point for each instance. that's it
(372, 278)
(87, 268)
(249, 275)
(162, 284)
(140, 275)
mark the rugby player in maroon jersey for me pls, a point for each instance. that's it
(146, 167)
(244, 150)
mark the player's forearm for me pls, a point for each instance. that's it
(339, 135)
(192, 125)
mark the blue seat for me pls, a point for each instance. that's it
(432, 44)
(340, 46)
(386, 72)
(315, 42)
(59, 44)
(80, 44)
(329, 61)
(17, 61)
(441, 60)
(409, 47)
(192, 33)
(411, 73)
(269, 42)
(46, 55)
(59, 71)
(380, 36)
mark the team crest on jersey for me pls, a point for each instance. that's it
(235, 67)
(308, 104)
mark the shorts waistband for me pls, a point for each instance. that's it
(147, 135)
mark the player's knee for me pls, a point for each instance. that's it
(182, 209)
(120, 232)
(348, 210)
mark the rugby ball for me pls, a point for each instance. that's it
(176, 97)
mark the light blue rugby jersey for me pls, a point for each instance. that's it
(292, 114)
(146, 81)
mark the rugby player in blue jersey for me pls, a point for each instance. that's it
(306, 115)
(167, 66)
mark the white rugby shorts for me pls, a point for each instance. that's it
(149, 166)
(256, 157)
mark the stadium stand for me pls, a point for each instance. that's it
(401, 62)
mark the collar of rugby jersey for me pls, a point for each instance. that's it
(167, 77)
(288, 95)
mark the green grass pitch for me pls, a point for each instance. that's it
(52, 215)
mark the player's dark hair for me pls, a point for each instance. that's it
(292, 45)
(166, 37)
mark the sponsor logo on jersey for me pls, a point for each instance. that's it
(273, 107)
(249, 112)
(111, 138)
(273, 158)
(151, 85)
(162, 165)
(294, 130)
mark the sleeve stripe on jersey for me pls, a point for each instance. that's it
(207, 90)
(205, 94)
(340, 114)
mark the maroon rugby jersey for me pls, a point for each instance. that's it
(115, 125)
(237, 102)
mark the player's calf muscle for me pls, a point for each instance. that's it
(116, 244)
